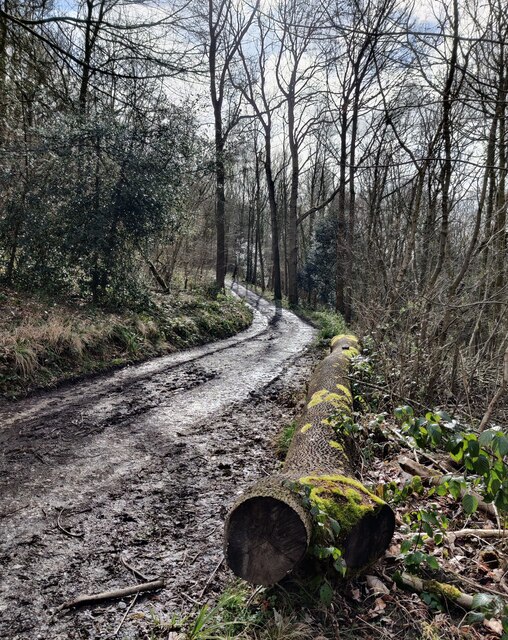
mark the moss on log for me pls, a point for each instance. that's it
(269, 529)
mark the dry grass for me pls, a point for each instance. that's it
(42, 343)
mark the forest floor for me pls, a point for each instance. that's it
(137, 469)
(44, 342)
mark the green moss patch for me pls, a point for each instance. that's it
(336, 400)
(284, 439)
(343, 336)
(344, 499)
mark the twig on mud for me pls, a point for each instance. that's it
(8, 514)
(66, 531)
(137, 573)
(191, 599)
(111, 595)
(29, 450)
(211, 577)
(117, 630)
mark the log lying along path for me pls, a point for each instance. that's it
(137, 464)
(269, 529)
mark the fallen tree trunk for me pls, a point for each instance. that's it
(269, 529)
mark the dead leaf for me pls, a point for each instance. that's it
(355, 595)
(137, 616)
(376, 586)
(494, 625)
(378, 608)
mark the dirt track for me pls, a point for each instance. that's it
(143, 463)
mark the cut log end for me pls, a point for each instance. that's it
(265, 540)
(369, 538)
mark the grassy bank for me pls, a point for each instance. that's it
(44, 342)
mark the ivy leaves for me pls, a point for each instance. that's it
(326, 531)
(481, 456)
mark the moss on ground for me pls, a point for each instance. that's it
(284, 439)
(46, 342)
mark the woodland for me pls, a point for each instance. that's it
(349, 155)
(346, 159)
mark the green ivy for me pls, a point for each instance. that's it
(482, 457)
(326, 530)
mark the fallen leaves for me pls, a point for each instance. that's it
(376, 585)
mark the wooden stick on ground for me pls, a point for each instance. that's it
(111, 595)
(439, 588)
(478, 533)
(480, 588)
(211, 577)
(117, 630)
(66, 531)
(136, 573)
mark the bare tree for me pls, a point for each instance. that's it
(298, 67)
(227, 26)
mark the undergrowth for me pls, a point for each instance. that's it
(284, 439)
(328, 323)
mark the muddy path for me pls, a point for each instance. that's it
(140, 464)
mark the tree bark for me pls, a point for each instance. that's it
(274, 225)
(293, 204)
(270, 527)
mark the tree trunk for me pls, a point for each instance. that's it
(341, 239)
(270, 182)
(500, 222)
(220, 210)
(293, 229)
(269, 529)
(3, 73)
